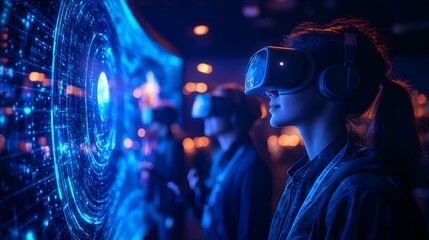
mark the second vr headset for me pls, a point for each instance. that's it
(165, 115)
(206, 105)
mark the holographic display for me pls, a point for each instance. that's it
(75, 76)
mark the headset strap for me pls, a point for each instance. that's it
(350, 43)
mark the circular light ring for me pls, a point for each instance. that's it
(85, 116)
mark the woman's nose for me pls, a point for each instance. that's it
(272, 93)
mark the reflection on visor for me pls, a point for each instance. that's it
(281, 69)
(147, 115)
(201, 106)
(255, 75)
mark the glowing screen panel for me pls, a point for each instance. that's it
(74, 78)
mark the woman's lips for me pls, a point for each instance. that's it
(274, 107)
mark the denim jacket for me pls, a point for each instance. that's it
(358, 200)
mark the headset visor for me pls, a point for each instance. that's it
(278, 68)
(206, 105)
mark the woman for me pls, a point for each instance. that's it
(324, 78)
(236, 204)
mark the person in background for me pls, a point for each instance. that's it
(236, 204)
(163, 165)
(326, 79)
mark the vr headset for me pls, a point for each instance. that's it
(206, 105)
(163, 115)
(288, 70)
(282, 69)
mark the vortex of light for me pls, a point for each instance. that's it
(67, 165)
(84, 119)
(103, 96)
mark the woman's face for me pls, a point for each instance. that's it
(295, 109)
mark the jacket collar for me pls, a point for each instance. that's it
(304, 169)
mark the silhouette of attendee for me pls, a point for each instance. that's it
(163, 164)
(320, 80)
(237, 203)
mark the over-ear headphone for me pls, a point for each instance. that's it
(336, 82)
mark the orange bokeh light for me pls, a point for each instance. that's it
(201, 30)
(205, 68)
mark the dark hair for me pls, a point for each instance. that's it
(247, 108)
(392, 128)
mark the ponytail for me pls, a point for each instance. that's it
(392, 127)
(393, 130)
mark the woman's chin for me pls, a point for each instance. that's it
(275, 123)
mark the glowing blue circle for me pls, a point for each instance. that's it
(103, 96)
(85, 118)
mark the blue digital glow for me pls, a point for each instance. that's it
(103, 95)
(68, 71)
(27, 110)
(29, 236)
